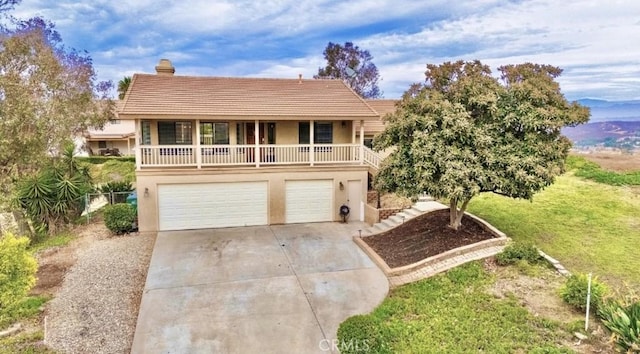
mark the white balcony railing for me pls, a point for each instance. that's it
(372, 158)
(247, 155)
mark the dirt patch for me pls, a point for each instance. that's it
(614, 160)
(539, 294)
(54, 263)
(425, 236)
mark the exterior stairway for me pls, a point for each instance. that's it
(424, 204)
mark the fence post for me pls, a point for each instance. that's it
(86, 207)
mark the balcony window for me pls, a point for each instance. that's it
(214, 133)
(322, 133)
(146, 132)
(174, 133)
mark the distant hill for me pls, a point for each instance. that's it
(602, 110)
(613, 134)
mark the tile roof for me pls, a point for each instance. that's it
(190, 96)
(383, 107)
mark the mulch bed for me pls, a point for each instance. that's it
(425, 236)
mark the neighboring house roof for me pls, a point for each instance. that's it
(383, 107)
(171, 96)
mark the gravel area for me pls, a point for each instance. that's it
(96, 309)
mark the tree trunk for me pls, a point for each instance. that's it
(455, 214)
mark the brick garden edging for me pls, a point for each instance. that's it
(441, 262)
(555, 263)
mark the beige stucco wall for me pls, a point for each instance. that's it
(286, 131)
(275, 176)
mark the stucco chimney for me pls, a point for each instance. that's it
(165, 67)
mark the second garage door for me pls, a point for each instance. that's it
(308, 201)
(212, 205)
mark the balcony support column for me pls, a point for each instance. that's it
(256, 137)
(312, 150)
(138, 144)
(353, 132)
(198, 150)
(362, 142)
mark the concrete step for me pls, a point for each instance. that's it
(380, 227)
(412, 211)
(389, 223)
(397, 219)
(428, 206)
(407, 216)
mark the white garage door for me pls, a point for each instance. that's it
(210, 205)
(308, 201)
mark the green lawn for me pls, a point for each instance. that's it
(58, 240)
(451, 313)
(587, 226)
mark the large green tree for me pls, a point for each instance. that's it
(353, 65)
(464, 132)
(48, 95)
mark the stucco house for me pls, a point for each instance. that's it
(116, 137)
(374, 127)
(223, 152)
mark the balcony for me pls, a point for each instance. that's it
(199, 156)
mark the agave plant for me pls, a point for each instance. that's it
(624, 323)
(55, 194)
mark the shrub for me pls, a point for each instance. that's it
(97, 160)
(360, 334)
(574, 292)
(116, 170)
(17, 270)
(119, 218)
(518, 251)
(120, 190)
(624, 323)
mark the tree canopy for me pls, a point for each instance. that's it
(354, 66)
(465, 132)
(48, 95)
(123, 86)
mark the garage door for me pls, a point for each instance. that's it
(309, 201)
(211, 205)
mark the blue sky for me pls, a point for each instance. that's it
(596, 42)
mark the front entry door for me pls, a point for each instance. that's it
(266, 154)
(251, 139)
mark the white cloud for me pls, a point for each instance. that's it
(594, 41)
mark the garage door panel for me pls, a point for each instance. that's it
(211, 205)
(308, 201)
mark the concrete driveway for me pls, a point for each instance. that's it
(266, 289)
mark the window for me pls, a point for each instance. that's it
(271, 133)
(146, 132)
(174, 133)
(303, 133)
(214, 133)
(115, 121)
(322, 133)
(102, 144)
(368, 142)
(240, 134)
